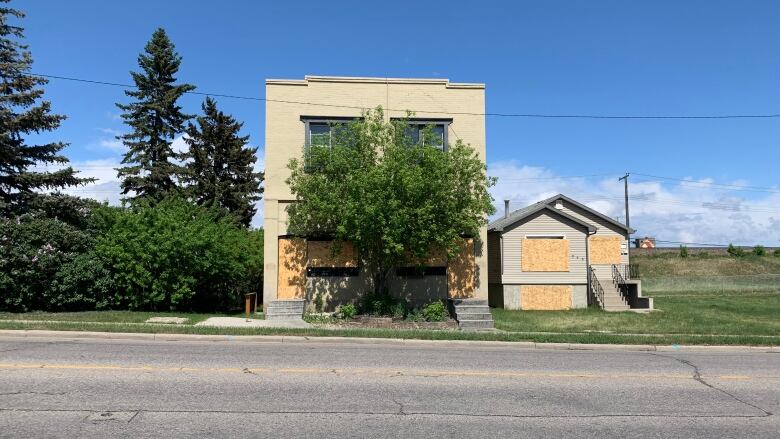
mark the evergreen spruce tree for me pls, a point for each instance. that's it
(155, 118)
(22, 113)
(221, 165)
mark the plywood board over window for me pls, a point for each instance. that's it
(462, 272)
(605, 249)
(545, 254)
(545, 297)
(292, 268)
(329, 254)
(437, 257)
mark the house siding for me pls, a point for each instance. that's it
(543, 223)
(603, 228)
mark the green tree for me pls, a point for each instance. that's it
(22, 112)
(155, 119)
(394, 200)
(177, 255)
(47, 263)
(221, 166)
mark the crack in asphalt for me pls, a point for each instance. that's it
(395, 413)
(400, 407)
(698, 378)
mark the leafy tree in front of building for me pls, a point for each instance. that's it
(150, 171)
(220, 169)
(392, 198)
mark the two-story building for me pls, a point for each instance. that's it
(299, 112)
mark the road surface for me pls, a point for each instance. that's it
(50, 387)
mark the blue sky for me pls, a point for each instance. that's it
(552, 57)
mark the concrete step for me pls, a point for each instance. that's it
(284, 310)
(475, 316)
(475, 324)
(471, 308)
(457, 302)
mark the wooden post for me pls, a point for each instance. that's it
(248, 305)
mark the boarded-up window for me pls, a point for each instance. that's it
(437, 257)
(545, 297)
(545, 254)
(331, 255)
(462, 272)
(605, 249)
(292, 268)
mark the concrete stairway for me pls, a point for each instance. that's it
(285, 310)
(613, 300)
(472, 314)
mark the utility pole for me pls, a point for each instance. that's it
(625, 181)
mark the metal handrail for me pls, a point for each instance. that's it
(595, 288)
(628, 271)
(619, 282)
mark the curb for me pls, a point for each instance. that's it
(93, 335)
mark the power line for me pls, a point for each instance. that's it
(664, 202)
(709, 184)
(462, 113)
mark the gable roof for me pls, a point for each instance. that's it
(520, 214)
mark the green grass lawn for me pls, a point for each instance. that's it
(724, 313)
(711, 300)
(113, 316)
(702, 294)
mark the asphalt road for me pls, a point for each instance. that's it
(138, 388)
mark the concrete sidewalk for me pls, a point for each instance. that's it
(75, 335)
(240, 322)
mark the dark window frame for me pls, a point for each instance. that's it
(320, 120)
(332, 271)
(419, 122)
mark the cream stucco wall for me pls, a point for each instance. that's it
(288, 100)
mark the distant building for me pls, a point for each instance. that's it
(645, 242)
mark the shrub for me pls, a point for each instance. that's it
(435, 311)
(319, 301)
(777, 253)
(347, 311)
(759, 250)
(415, 316)
(399, 310)
(45, 264)
(683, 251)
(735, 251)
(177, 256)
(378, 304)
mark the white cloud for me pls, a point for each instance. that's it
(179, 145)
(113, 145)
(107, 188)
(691, 211)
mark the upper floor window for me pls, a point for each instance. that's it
(320, 130)
(438, 132)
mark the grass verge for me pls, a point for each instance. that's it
(114, 316)
(587, 338)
